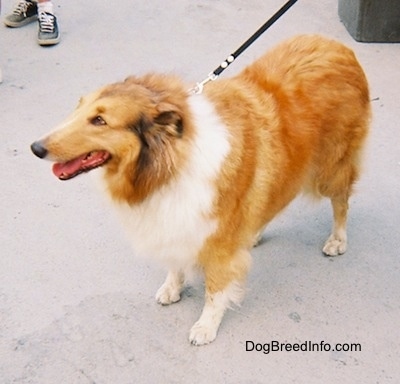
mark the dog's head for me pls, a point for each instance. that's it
(138, 130)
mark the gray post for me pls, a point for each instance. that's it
(371, 20)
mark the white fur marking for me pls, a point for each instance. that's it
(173, 223)
(205, 330)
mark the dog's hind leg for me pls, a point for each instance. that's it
(170, 291)
(337, 241)
(339, 189)
(336, 182)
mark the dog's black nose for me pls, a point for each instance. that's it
(39, 149)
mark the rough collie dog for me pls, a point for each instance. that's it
(197, 177)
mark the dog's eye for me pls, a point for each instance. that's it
(98, 120)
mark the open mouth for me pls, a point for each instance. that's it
(83, 163)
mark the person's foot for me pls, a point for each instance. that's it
(24, 13)
(48, 29)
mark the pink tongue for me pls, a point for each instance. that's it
(80, 164)
(70, 168)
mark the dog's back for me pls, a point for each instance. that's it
(310, 110)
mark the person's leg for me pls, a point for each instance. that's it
(45, 6)
(48, 27)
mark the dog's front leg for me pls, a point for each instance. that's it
(170, 291)
(224, 286)
(205, 330)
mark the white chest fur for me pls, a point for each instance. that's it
(172, 224)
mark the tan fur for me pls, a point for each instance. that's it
(297, 121)
(299, 117)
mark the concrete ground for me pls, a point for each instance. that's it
(77, 307)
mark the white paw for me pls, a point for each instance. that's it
(168, 294)
(202, 334)
(335, 245)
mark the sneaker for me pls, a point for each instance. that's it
(24, 13)
(48, 29)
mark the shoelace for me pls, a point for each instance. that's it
(46, 22)
(21, 8)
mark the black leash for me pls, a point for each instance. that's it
(232, 57)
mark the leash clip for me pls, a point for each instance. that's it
(198, 88)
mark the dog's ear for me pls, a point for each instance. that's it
(169, 117)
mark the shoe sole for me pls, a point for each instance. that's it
(45, 42)
(17, 24)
